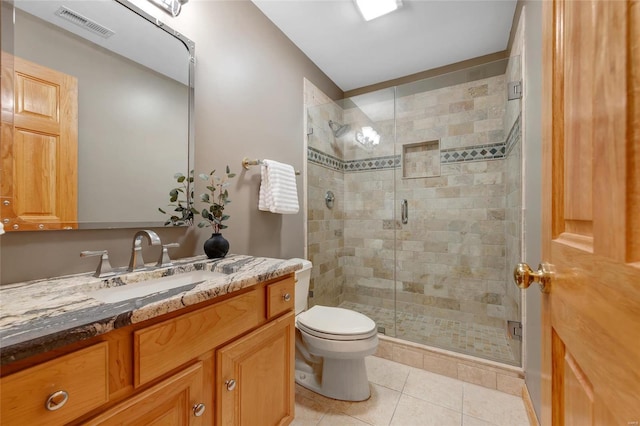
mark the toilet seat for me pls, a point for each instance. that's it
(336, 323)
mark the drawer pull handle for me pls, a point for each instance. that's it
(231, 384)
(286, 297)
(198, 409)
(56, 400)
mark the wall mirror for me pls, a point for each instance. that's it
(102, 116)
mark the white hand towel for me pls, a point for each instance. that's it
(278, 191)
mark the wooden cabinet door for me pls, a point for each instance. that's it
(171, 403)
(261, 366)
(591, 212)
(39, 155)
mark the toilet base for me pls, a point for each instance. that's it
(334, 381)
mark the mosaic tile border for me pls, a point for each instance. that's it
(329, 161)
(515, 135)
(374, 163)
(495, 151)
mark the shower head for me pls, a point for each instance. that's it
(338, 129)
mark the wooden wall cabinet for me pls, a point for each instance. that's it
(229, 361)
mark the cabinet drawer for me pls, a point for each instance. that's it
(82, 375)
(280, 297)
(170, 402)
(162, 347)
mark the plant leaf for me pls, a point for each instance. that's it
(228, 170)
(205, 198)
(231, 175)
(162, 211)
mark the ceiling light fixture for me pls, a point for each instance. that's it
(172, 7)
(371, 9)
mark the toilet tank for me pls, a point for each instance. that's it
(303, 277)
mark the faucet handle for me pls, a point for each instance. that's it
(164, 255)
(104, 267)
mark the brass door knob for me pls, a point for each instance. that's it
(523, 275)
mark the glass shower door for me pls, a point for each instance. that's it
(369, 222)
(452, 284)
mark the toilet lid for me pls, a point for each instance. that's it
(334, 323)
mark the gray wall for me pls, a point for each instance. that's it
(249, 102)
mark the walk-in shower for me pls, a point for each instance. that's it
(426, 222)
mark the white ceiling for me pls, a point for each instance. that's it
(421, 35)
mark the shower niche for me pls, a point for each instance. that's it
(421, 159)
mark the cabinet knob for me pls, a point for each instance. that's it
(231, 384)
(198, 409)
(286, 297)
(56, 400)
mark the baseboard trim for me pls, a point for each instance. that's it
(528, 405)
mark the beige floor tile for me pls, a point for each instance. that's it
(308, 411)
(387, 373)
(413, 411)
(341, 419)
(472, 421)
(493, 406)
(407, 396)
(434, 388)
(377, 410)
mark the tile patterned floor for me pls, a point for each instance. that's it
(407, 396)
(468, 338)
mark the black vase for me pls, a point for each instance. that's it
(216, 246)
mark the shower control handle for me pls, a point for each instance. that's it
(405, 212)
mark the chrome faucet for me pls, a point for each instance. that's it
(136, 261)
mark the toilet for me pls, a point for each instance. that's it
(331, 344)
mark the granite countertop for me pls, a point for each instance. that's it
(42, 315)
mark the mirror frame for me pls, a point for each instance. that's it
(8, 31)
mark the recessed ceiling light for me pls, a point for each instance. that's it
(371, 9)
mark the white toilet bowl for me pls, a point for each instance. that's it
(331, 344)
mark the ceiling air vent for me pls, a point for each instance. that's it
(84, 22)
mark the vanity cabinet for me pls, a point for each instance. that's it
(253, 376)
(227, 361)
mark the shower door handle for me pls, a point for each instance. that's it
(405, 212)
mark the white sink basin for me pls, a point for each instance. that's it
(156, 285)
